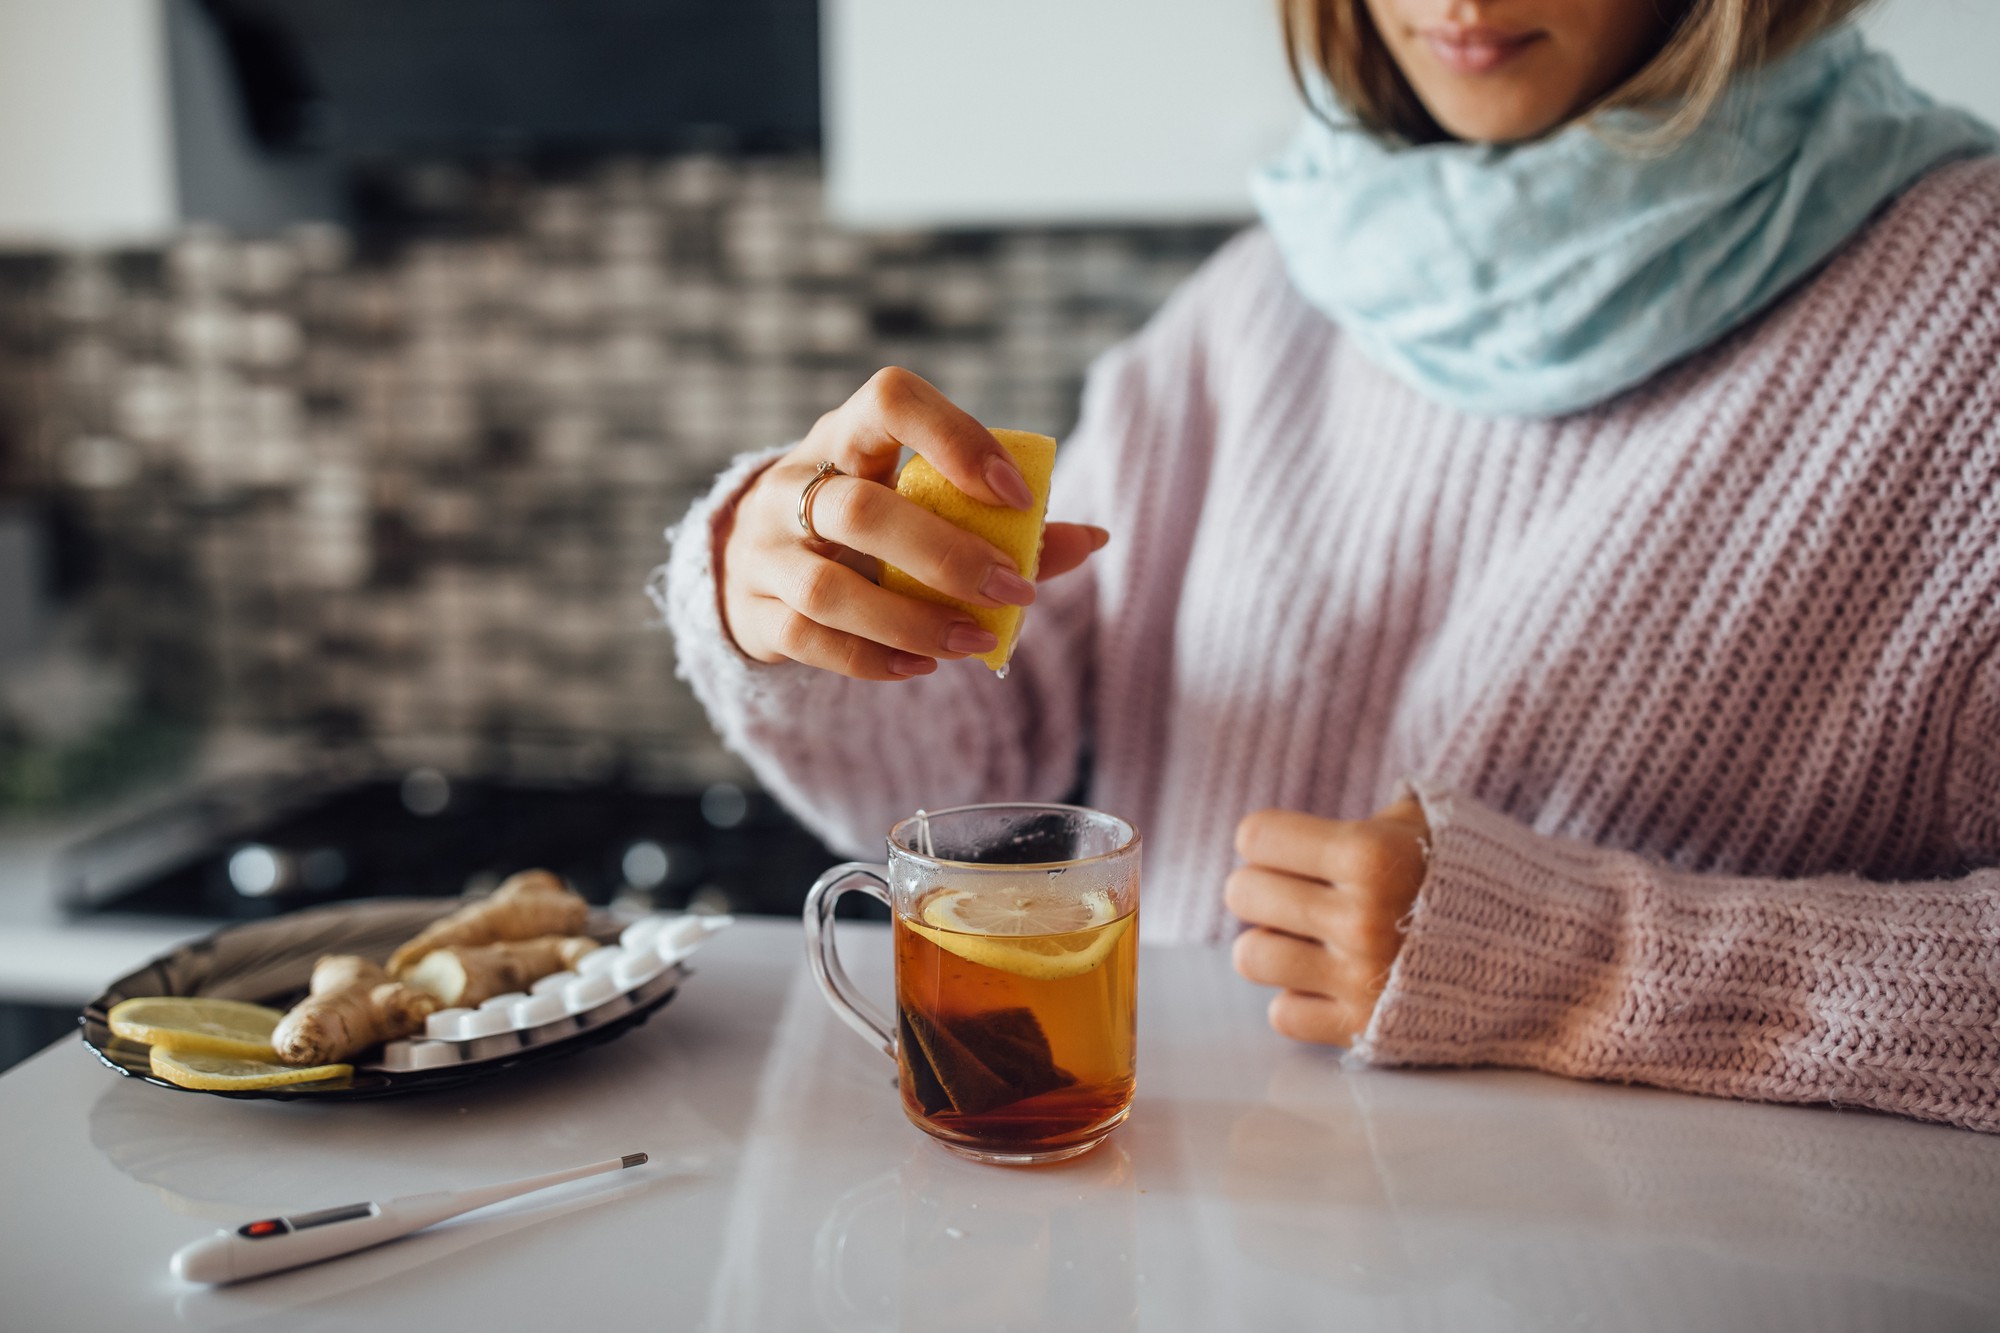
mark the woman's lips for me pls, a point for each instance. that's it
(1476, 50)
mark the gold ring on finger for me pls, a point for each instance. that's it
(819, 477)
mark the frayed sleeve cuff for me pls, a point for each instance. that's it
(1506, 943)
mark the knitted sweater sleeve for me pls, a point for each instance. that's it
(1537, 952)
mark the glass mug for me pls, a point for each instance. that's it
(1017, 947)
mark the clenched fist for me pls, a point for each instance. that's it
(1325, 901)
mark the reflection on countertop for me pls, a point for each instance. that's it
(1420, 1200)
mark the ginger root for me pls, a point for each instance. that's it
(351, 1006)
(466, 975)
(529, 904)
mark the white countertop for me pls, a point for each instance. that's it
(1259, 1185)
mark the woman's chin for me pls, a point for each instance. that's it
(1493, 121)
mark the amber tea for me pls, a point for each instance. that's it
(1013, 1042)
(1016, 948)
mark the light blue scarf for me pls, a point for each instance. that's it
(1540, 278)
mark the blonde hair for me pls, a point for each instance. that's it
(1712, 41)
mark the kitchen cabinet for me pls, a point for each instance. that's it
(1049, 111)
(85, 157)
(120, 121)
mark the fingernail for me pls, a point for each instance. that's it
(1099, 539)
(911, 664)
(1004, 585)
(970, 639)
(1008, 483)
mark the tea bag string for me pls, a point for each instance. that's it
(924, 832)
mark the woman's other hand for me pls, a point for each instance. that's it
(786, 596)
(1325, 901)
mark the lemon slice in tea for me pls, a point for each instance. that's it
(1043, 936)
(226, 1073)
(198, 1024)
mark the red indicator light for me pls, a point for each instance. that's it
(268, 1227)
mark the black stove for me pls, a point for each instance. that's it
(258, 849)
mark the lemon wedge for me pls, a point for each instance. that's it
(1017, 532)
(227, 1073)
(1036, 935)
(197, 1024)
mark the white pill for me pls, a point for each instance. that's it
(639, 936)
(678, 938)
(664, 980)
(599, 961)
(431, 1054)
(396, 1055)
(552, 984)
(505, 1001)
(538, 1010)
(636, 969)
(589, 992)
(444, 1024)
(500, 1043)
(484, 1023)
(686, 934)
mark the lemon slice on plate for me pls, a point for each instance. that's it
(1042, 936)
(227, 1073)
(198, 1024)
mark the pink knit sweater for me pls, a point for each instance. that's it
(1701, 687)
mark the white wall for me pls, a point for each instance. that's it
(84, 147)
(975, 112)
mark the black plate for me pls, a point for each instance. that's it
(270, 962)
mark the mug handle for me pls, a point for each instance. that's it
(833, 981)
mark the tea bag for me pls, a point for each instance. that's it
(980, 1062)
(1043, 839)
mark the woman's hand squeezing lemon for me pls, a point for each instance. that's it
(815, 597)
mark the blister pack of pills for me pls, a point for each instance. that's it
(649, 960)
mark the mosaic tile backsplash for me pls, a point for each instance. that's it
(406, 493)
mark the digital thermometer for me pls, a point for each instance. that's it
(272, 1244)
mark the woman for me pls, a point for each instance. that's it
(1594, 455)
